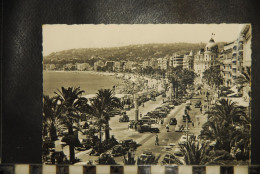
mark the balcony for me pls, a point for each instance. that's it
(240, 47)
(226, 71)
(234, 53)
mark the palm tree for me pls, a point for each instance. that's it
(196, 153)
(222, 122)
(50, 112)
(227, 111)
(108, 103)
(96, 110)
(220, 132)
(71, 105)
(245, 77)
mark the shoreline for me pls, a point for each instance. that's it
(88, 72)
(128, 80)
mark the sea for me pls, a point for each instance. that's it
(90, 82)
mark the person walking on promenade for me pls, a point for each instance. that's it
(192, 123)
(156, 140)
(201, 109)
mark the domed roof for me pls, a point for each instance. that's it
(211, 45)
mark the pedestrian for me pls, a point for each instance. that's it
(198, 123)
(192, 123)
(157, 140)
(167, 127)
(201, 109)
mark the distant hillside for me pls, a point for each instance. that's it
(136, 53)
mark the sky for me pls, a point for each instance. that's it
(63, 37)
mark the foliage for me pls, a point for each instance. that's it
(181, 79)
(71, 105)
(50, 112)
(196, 153)
(229, 125)
(106, 159)
(244, 79)
(101, 107)
(212, 76)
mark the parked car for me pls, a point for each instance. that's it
(146, 158)
(147, 128)
(124, 118)
(106, 159)
(118, 150)
(127, 144)
(173, 121)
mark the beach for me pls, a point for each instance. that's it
(88, 81)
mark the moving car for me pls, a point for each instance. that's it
(173, 121)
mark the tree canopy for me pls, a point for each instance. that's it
(212, 76)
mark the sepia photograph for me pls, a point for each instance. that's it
(146, 94)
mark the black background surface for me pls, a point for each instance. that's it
(22, 54)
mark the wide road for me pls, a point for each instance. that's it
(147, 140)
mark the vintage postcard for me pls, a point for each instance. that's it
(147, 94)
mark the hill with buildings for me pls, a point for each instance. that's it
(137, 53)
